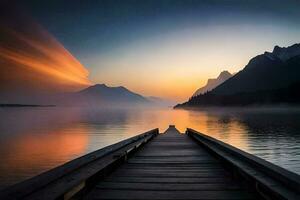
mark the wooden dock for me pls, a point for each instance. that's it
(163, 166)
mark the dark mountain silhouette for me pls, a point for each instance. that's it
(100, 94)
(287, 96)
(268, 71)
(285, 53)
(272, 77)
(213, 83)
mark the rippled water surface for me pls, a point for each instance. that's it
(33, 140)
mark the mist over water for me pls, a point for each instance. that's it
(33, 140)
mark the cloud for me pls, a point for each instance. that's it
(32, 61)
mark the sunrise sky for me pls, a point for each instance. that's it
(166, 48)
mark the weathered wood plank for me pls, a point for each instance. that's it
(169, 186)
(169, 179)
(172, 162)
(166, 166)
(164, 195)
(162, 171)
(172, 174)
(178, 165)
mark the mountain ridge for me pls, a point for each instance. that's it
(101, 94)
(285, 53)
(213, 83)
(263, 80)
(264, 72)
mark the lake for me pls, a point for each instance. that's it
(34, 140)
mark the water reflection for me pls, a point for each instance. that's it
(33, 140)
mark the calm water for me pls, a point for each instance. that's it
(33, 140)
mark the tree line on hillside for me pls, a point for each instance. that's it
(289, 95)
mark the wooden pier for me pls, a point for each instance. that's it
(171, 165)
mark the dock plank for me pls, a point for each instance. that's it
(164, 195)
(169, 186)
(203, 180)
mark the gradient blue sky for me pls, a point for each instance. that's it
(167, 48)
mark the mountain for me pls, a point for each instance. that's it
(272, 77)
(112, 94)
(157, 101)
(213, 82)
(285, 53)
(271, 70)
(103, 95)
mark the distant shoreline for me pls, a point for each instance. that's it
(295, 107)
(25, 105)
